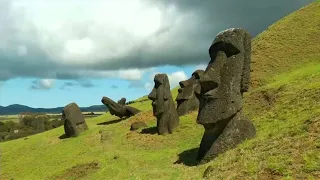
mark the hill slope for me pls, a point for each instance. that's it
(283, 105)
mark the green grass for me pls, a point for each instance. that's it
(283, 104)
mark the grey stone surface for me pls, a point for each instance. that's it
(225, 79)
(163, 106)
(118, 109)
(74, 122)
(186, 99)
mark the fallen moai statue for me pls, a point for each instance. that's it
(224, 81)
(186, 99)
(74, 122)
(118, 109)
(163, 106)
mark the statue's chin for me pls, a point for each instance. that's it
(157, 113)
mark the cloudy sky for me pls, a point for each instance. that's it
(53, 52)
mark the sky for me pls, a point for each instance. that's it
(54, 52)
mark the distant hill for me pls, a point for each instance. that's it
(17, 108)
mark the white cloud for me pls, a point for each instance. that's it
(43, 84)
(68, 34)
(132, 74)
(148, 86)
(22, 51)
(126, 74)
(176, 77)
(43, 38)
(201, 67)
(109, 36)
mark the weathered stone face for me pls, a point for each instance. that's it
(225, 79)
(163, 105)
(119, 109)
(186, 99)
(74, 122)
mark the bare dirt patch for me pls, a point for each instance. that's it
(79, 171)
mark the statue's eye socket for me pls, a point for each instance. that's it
(196, 75)
(157, 84)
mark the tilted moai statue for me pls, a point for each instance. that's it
(119, 109)
(186, 99)
(122, 101)
(74, 122)
(163, 106)
(222, 85)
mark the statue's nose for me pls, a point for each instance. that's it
(152, 95)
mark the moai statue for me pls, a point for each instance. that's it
(186, 99)
(163, 106)
(122, 101)
(222, 85)
(118, 109)
(74, 122)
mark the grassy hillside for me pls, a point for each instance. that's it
(287, 44)
(283, 104)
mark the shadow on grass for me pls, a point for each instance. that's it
(150, 130)
(110, 122)
(63, 136)
(188, 157)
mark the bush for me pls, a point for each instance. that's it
(3, 136)
(35, 121)
(9, 126)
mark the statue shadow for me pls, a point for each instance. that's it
(188, 157)
(111, 122)
(150, 130)
(63, 136)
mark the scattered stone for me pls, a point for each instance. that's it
(138, 125)
(225, 79)
(118, 109)
(74, 122)
(163, 106)
(187, 99)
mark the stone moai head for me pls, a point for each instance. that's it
(226, 77)
(160, 94)
(74, 122)
(187, 99)
(163, 106)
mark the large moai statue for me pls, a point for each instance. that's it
(163, 106)
(186, 99)
(74, 122)
(119, 109)
(222, 85)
